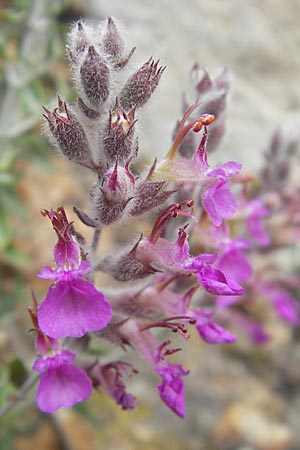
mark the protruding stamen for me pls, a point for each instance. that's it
(173, 210)
(195, 125)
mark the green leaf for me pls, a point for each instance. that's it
(17, 372)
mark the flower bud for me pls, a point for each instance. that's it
(110, 199)
(113, 43)
(141, 85)
(148, 195)
(212, 93)
(201, 79)
(68, 132)
(118, 140)
(94, 76)
(126, 267)
(78, 42)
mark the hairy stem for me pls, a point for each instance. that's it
(94, 244)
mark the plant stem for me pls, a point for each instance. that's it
(94, 244)
(29, 383)
(60, 434)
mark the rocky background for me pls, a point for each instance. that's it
(258, 40)
(239, 397)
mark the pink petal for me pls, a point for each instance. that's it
(62, 386)
(172, 390)
(216, 282)
(219, 202)
(48, 273)
(212, 333)
(73, 308)
(235, 264)
(231, 168)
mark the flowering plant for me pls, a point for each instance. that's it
(194, 268)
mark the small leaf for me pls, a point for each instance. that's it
(17, 372)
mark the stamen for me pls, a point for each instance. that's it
(172, 324)
(194, 124)
(174, 210)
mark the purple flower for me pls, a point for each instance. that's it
(72, 306)
(218, 199)
(283, 303)
(110, 378)
(217, 282)
(256, 212)
(43, 343)
(172, 390)
(174, 256)
(213, 280)
(211, 332)
(62, 384)
(254, 330)
(233, 261)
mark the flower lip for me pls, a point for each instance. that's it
(62, 384)
(73, 308)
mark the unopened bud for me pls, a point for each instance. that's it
(201, 79)
(105, 212)
(68, 132)
(113, 43)
(148, 195)
(78, 42)
(141, 85)
(111, 198)
(126, 267)
(94, 75)
(118, 141)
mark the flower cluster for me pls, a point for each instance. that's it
(185, 272)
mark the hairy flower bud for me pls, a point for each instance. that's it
(141, 85)
(148, 195)
(113, 43)
(78, 42)
(68, 132)
(118, 140)
(126, 266)
(201, 79)
(110, 199)
(104, 211)
(211, 99)
(94, 76)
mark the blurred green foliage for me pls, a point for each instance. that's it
(32, 71)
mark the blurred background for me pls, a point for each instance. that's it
(241, 397)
